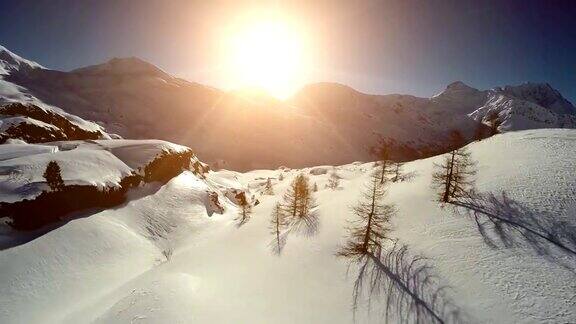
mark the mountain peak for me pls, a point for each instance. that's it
(542, 94)
(457, 89)
(122, 66)
(10, 62)
(458, 85)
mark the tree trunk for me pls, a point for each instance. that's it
(446, 197)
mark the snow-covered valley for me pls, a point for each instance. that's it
(166, 256)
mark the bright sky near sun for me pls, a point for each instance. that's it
(376, 46)
(265, 51)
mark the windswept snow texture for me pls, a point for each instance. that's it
(101, 163)
(112, 267)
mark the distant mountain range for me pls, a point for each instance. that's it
(324, 123)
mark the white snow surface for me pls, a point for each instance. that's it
(8, 122)
(101, 163)
(110, 267)
(12, 62)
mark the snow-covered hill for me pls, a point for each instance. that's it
(161, 258)
(25, 117)
(323, 123)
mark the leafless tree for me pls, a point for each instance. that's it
(278, 224)
(244, 211)
(268, 189)
(372, 222)
(397, 171)
(454, 177)
(299, 205)
(383, 154)
(385, 268)
(333, 181)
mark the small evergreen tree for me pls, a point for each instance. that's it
(281, 176)
(53, 176)
(454, 177)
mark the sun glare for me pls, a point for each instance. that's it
(266, 54)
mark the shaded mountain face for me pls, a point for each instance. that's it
(24, 117)
(324, 123)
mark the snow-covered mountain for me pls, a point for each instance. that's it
(161, 257)
(25, 117)
(323, 123)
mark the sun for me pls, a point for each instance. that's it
(266, 53)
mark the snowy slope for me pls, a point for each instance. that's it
(97, 163)
(109, 267)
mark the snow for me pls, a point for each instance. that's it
(101, 163)
(82, 264)
(15, 150)
(12, 62)
(137, 153)
(110, 267)
(8, 122)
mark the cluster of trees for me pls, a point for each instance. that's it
(295, 214)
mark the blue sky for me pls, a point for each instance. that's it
(414, 47)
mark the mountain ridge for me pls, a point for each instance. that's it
(323, 123)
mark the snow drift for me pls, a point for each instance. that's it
(95, 174)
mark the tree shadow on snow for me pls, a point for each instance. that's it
(411, 292)
(503, 221)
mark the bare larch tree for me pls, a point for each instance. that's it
(299, 205)
(268, 189)
(385, 163)
(397, 171)
(385, 267)
(333, 181)
(372, 222)
(454, 177)
(245, 209)
(278, 225)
